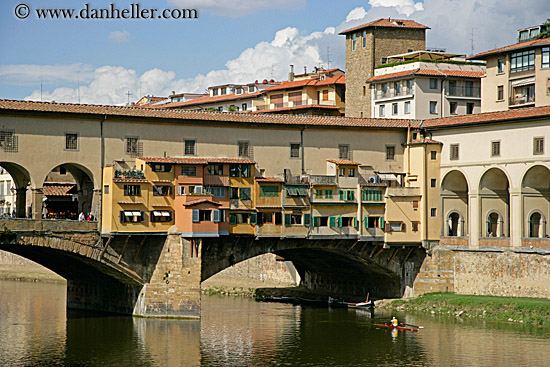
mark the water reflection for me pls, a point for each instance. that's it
(35, 330)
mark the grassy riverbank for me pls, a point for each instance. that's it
(512, 309)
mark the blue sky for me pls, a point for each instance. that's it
(231, 41)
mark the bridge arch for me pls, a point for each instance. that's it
(494, 196)
(69, 189)
(454, 201)
(22, 181)
(535, 195)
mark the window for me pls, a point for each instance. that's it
(132, 190)
(214, 92)
(397, 88)
(407, 107)
(161, 216)
(433, 106)
(390, 152)
(239, 90)
(294, 150)
(433, 83)
(341, 172)
(384, 60)
(382, 110)
(244, 107)
(71, 141)
(351, 172)
(500, 66)
(189, 147)
(384, 88)
(500, 93)
(469, 89)
(538, 146)
(409, 86)
(244, 193)
(453, 152)
(266, 218)
(234, 193)
(343, 151)
(223, 91)
(162, 190)
(325, 95)
(217, 192)
(415, 204)
(244, 149)
(522, 61)
(106, 189)
(433, 182)
(433, 212)
(215, 169)
(131, 216)
(156, 167)
(452, 107)
(364, 91)
(190, 171)
(269, 191)
(372, 195)
(364, 39)
(318, 193)
(353, 41)
(132, 145)
(245, 170)
(251, 89)
(240, 218)
(195, 190)
(328, 194)
(8, 141)
(433, 155)
(495, 148)
(296, 191)
(545, 53)
(414, 226)
(394, 108)
(396, 226)
(347, 195)
(469, 108)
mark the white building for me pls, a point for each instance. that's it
(7, 193)
(424, 85)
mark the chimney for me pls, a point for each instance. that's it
(305, 69)
(291, 74)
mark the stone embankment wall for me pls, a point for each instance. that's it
(7, 258)
(492, 271)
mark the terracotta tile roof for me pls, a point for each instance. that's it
(207, 99)
(343, 161)
(58, 190)
(192, 160)
(387, 22)
(268, 179)
(200, 117)
(121, 179)
(130, 202)
(428, 72)
(514, 47)
(425, 141)
(488, 117)
(201, 201)
(338, 79)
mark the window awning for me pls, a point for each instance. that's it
(161, 213)
(387, 177)
(137, 214)
(522, 82)
(157, 213)
(129, 213)
(165, 214)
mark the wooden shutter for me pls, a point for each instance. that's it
(288, 219)
(195, 216)
(253, 218)
(332, 221)
(381, 223)
(339, 221)
(216, 216)
(232, 218)
(367, 222)
(316, 221)
(307, 219)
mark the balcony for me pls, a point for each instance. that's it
(303, 102)
(405, 92)
(523, 100)
(467, 92)
(322, 180)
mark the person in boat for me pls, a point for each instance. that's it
(394, 321)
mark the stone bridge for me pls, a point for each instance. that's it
(160, 275)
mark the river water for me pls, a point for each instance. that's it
(36, 330)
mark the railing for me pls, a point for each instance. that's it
(474, 92)
(521, 100)
(322, 180)
(296, 179)
(392, 93)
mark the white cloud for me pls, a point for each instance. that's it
(119, 36)
(236, 8)
(495, 24)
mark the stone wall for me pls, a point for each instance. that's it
(436, 273)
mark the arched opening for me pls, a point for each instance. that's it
(537, 225)
(493, 225)
(535, 198)
(68, 190)
(454, 201)
(455, 225)
(15, 198)
(495, 203)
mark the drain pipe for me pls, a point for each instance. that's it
(303, 150)
(102, 153)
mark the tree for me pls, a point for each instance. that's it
(545, 30)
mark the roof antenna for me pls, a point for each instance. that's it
(472, 40)
(328, 58)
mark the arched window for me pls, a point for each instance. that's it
(536, 225)
(455, 225)
(493, 225)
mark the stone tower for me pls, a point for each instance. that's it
(366, 46)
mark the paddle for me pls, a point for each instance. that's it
(411, 325)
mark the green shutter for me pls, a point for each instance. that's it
(232, 218)
(379, 196)
(367, 222)
(328, 194)
(339, 221)
(351, 195)
(332, 221)
(253, 218)
(342, 195)
(195, 215)
(318, 194)
(363, 195)
(316, 221)
(288, 219)
(355, 222)
(307, 219)
(381, 223)
(302, 191)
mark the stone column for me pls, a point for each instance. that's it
(174, 287)
(37, 203)
(516, 220)
(96, 201)
(474, 207)
(21, 202)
